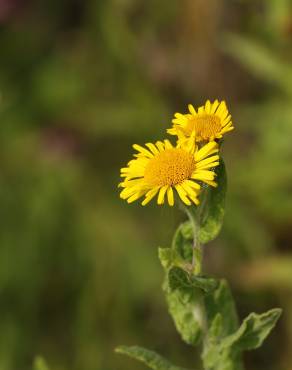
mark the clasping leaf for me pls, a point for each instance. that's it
(213, 207)
(180, 279)
(253, 331)
(150, 358)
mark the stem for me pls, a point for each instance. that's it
(197, 257)
(196, 266)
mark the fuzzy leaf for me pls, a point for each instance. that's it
(216, 327)
(221, 302)
(180, 279)
(184, 293)
(253, 331)
(168, 257)
(182, 304)
(212, 209)
(224, 352)
(150, 358)
(165, 257)
(182, 242)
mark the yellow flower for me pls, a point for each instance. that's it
(160, 168)
(210, 122)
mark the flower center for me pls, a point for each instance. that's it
(205, 126)
(169, 167)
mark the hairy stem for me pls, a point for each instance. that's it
(197, 261)
(197, 250)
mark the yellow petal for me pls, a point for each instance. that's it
(135, 197)
(206, 150)
(202, 163)
(208, 106)
(195, 200)
(161, 194)
(153, 148)
(140, 149)
(211, 183)
(160, 146)
(168, 144)
(203, 175)
(182, 195)
(189, 191)
(151, 194)
(193, 184)
(201, 110)
(170, 197)
(214, 106)
(192, 109)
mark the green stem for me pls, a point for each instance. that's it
(197, 250)
(196, 266)
(195, 215)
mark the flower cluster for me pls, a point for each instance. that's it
(162, 169)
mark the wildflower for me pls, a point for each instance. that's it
(162, 169)
(210, 122)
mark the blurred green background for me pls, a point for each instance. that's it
(80, 81)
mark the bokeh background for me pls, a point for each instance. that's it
(80, 81)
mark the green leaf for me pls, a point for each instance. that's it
(180, 279)
(168, 257)
(222, 360)
(221, 302)
(209, 215)
(150, 358)
(165, 257)
(212, 209)
(253, 331)
(184, 296)
(182, 242)
(187, 231)
(181, 302)
(180, 253)
(182, 306)
(224, 352)
(216, 327)
(40, 364)
(205, 283)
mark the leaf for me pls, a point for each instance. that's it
(216, 327)
(222, 360)
(182, 241)
(224, 353)
(181, 250)
(221, 302)
(182, 306)
(253, 331)
(165, 257)
(222, 321)
(187, 230)
(211, 213)
(149, 358)
(184, 295)
(181, 302)
(168, 257)
(180, 279)
(40, 364)
(205, 283)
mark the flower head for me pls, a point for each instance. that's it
(210, 122)
(160, 169)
